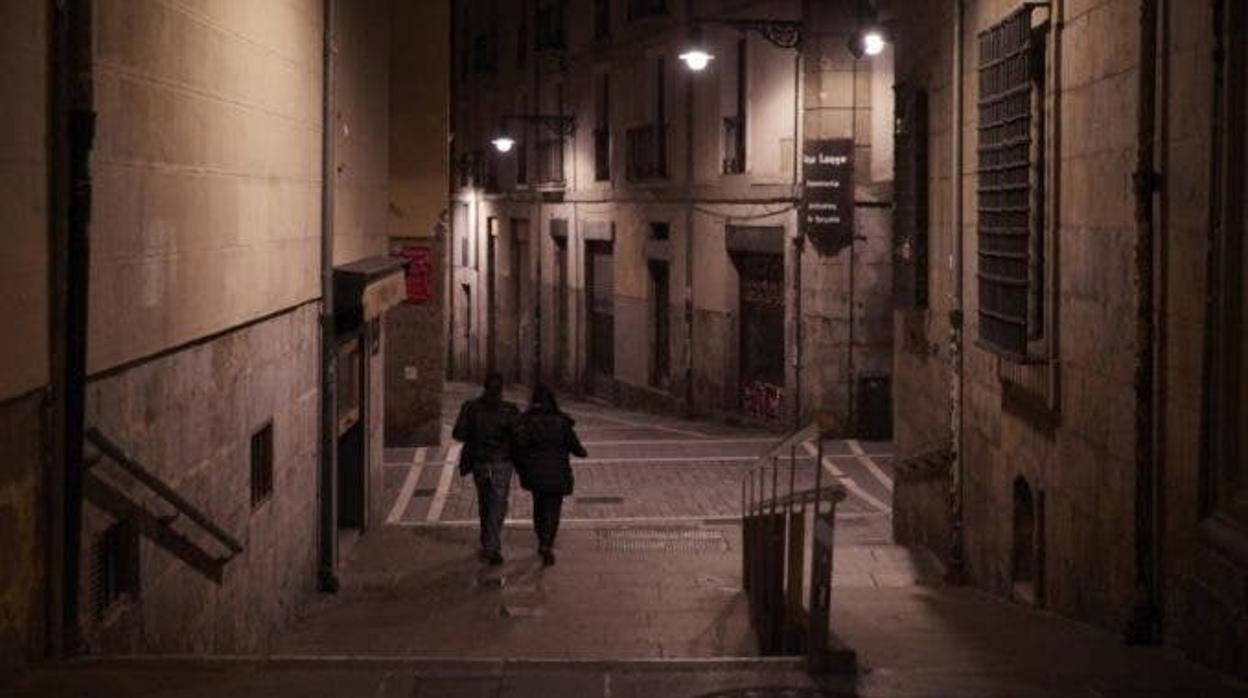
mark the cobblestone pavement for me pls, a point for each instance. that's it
(640, 468)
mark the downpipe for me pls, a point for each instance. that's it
(71, 126)
(327, 480)
(1144, 626)
(956, 572)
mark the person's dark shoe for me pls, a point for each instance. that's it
(483, 555)
(548, 556)
(495, 559)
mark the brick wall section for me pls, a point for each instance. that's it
(188, 417)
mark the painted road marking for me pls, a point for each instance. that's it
(679, 442)
(870, 464)
(693, 520)
(708, 460)
(848, 482)
(408, 488)
(444, 482)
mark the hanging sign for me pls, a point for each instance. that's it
(419, 273)
(828, 193)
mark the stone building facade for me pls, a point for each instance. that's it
(206, 359)
(1073, 422)
(651, 255)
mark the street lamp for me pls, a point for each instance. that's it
(696, 59)
(558, 124)
(779, 32)
(867, 42)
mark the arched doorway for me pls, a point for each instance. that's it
(1024, 568)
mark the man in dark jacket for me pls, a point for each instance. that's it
(485, 426)
(544, 440)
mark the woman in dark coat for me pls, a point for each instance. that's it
(544, 440)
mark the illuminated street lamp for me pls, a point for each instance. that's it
(867, 42)
(696, 59)
(558, 124)
(778, 32)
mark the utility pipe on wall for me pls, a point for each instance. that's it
(689, 222)
(72, 130)
(956, 549)
(327, 480)
(1144, 624)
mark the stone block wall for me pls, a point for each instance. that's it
(188, 417)
(1077, 453)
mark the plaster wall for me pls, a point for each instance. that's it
(24, 303)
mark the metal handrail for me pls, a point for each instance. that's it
(136, 470)
(782, 533)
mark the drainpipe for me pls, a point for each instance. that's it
(1212, 341)
(956, 573)
(72, 131)
(799, 242)
(1144, 624)
(327, 579)
(690, 133)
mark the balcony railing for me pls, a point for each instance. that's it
(602, 154)
(646, 152)
(734, 145)
(550, 161)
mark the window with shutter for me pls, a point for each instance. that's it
(1010, 240)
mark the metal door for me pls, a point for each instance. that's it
(762, 334)
(600, 264)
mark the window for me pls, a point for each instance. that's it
(115, 572)
(485, 53)
(637, 9)
(734, 125)
(1011, 193)
(550, 25)
(262, 465)
(602, 131)
(602, 19)
(646, 145)
(910, 216)
(522, 39)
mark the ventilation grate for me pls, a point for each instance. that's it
(687, 540)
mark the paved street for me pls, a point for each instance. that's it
(645, 601)
(641, 469)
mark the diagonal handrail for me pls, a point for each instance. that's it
(136, 470)
(787, 542)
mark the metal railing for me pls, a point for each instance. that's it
(550, 161)
(646, 152)
(120, 502)
(788, 525)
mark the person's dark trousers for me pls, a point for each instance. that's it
(547, 506)
(493, 481)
